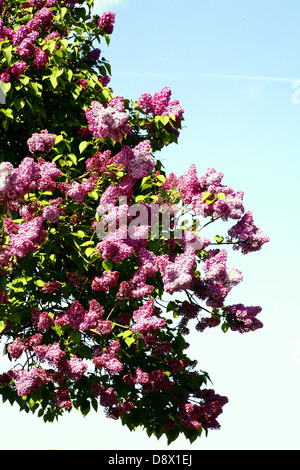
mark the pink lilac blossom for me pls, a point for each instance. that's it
(73, 316)
(42, 142)
(16, 348)
(92, 320)
(216, 270)
(74, 279)
(41, 59)
(121, 244)
(177, 275)
(44, 16)
(79, 318)
(51, 213)
(26, 47)
(27, 175)
(51, 287)
(108, 121)
(48, 170)
(41, 320)
(210, 408)
(33, 341)
(75, 368)
(243, 319)
(17, 69)
(4, 299)
(114, 192)
(137, 161)
(250, 237)
(160, 105)
(151, 381)
(188, 184)
(27, 382)
(121, 408)
(98, 162)
(106, 22)
(108, 397)
(108, 358)
(106, 281)
(104, 80)
(145, 320)
(7, 179)
(192, 240)
(78, 191)
(29, 237)
(61, 398)
(51, 353)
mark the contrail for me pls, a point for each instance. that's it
(251, 78)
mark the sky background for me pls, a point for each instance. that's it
(232, 65)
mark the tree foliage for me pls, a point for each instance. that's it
(97, 291)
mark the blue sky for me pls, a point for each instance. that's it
(232, 65)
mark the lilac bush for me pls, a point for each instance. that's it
(92, 245)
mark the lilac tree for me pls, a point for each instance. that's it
(87, 262)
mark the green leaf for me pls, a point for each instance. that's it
(73, 158)
(53, 81)
(76, 336)
(83, 145)
(8, 54)
(7, 112)
(129, 341)
(89, 251)
(107, 265)
(19, 103)
(206, 196)
(225, 327)
(3, 324)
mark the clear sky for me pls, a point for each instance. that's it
(232, 64)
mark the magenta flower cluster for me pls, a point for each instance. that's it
(108, 121)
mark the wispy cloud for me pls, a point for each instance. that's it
(256, 78)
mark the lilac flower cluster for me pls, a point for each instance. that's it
(137, 162)
(243, 319)
(29, 237)
(108, 399)
(15, 70)
(27, 382)
(106, 21)
(160, 104)
(145, 320)
(177, 275)
(78, 191)
(208, 196)
(120, 245)
(42, 321)
(42, 142)
(106, 281)
(150, 381)
(80, 319)
(205, 414)
(250, 237)
(107, 358)
(109, 120)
